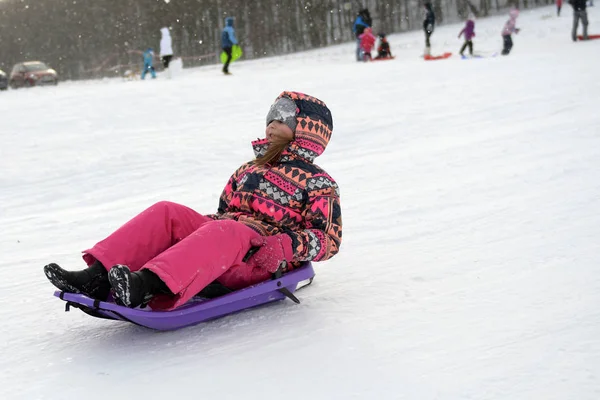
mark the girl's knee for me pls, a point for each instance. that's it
(165, 208)
(164, 204)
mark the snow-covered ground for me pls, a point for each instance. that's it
(470, 267)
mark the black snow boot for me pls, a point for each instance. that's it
(92, 281)
(134, 289)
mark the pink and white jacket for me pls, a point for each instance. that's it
(509, 27)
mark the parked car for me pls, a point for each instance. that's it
(3, 80)
(32, 73)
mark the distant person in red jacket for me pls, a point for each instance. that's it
(383, 51)
(367, 42)
(558, 7)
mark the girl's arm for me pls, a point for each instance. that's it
(322, 237)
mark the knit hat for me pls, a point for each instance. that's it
(313, 126)
(284, 110)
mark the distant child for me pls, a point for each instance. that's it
(428, 26)
(383, 51)
(228, 40)
(508, 30)
(367, 42)
(148, 59)
(166, 48)
(363, 20)
(469, 31)
(558, 7)
(579, 13)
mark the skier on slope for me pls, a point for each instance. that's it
(280, 204)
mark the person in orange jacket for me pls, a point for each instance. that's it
(383, 51)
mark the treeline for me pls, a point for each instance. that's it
(95, 38)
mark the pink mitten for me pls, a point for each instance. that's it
(273, 250)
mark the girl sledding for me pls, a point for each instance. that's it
(276, 213)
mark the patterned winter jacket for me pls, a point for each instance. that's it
(293, 196)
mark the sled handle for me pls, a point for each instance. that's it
(278, 274)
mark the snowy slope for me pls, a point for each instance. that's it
(471, 204)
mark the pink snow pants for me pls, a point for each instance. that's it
(185, 249)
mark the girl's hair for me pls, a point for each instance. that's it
(273, 154)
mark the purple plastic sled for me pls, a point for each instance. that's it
(196, 310)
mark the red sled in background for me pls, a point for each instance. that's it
(590, 37)
(429, 57)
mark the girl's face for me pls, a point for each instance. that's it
(278, 132)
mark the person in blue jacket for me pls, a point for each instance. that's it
(148, 59)
(228, 40)
(363, 20)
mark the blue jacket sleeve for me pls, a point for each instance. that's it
(357, 22)
(232, 37)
